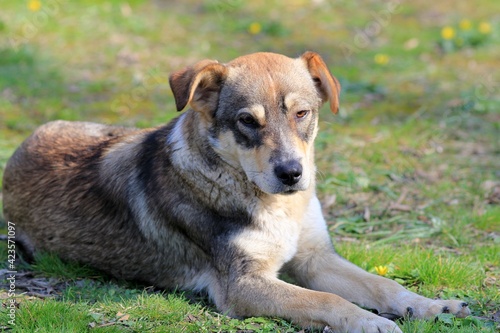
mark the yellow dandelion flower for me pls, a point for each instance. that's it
(381, 270)
(34, 5)
(255, 28)
(381, 59)
(447, 32)
(484, 28)
(465, 24)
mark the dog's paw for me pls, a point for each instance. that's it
(413, 306)
(435, 307)
(357, 320)
(372, 325)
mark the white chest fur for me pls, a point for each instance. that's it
(277, 225)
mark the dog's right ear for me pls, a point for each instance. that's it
(198, 85)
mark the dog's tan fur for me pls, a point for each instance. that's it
(221, 199)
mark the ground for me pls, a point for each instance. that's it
(408, 171)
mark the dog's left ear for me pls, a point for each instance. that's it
(327, 85)
(199, 86)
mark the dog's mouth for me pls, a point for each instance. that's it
(290, 192)
(286, 191)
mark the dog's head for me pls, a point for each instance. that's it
(260, 113)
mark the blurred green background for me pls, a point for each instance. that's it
(412, 158)
(109, 60)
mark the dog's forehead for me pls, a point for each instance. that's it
(267, 79)
(268, 73)
(262, 60)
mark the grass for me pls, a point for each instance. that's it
(408, 170)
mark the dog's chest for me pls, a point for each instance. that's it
(273, 239)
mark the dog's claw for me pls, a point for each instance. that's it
(446, 309)
(409, 312)
(390, 316)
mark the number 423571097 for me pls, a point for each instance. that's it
(11, 244)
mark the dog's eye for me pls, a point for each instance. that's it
(301, 114)
(247, 120)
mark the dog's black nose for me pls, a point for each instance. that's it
(289, 172)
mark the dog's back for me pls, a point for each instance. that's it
(70, 211)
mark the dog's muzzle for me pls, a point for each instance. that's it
(289, 173)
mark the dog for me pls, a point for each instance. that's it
(221, 199)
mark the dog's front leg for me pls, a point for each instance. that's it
(261, 295)
(317, 266)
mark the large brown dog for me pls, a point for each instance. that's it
(221, 199)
